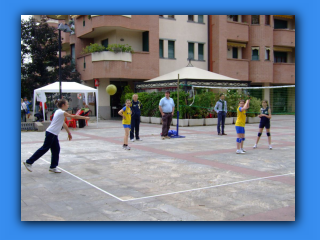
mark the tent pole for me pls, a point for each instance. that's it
(34, 102)
(97, 104)
(178, 106)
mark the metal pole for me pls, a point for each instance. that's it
(178, 106)
(60, 64)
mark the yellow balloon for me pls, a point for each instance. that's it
(111, 89)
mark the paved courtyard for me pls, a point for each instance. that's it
(196, 178)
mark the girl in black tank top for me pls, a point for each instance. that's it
(265, 116)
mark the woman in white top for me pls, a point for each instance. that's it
(51, 141)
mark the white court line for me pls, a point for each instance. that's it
(165, 194)
(195, 189)
(84, 181)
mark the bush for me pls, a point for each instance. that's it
(202, 106)
(119, 48)
(254, 107)
(95, 47)
(125, 94)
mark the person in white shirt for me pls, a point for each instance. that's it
(166, 107)
(51, 141)
(23, 111)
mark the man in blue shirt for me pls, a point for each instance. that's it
(166, 107)
(221, 109)
(135, 117)
(27, 104)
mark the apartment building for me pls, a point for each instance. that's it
(182, 37)
(255, 48)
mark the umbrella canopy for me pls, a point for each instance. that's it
(192, 73)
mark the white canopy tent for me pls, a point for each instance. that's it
(66, 87)
(192, 73)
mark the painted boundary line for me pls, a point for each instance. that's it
(165, 194)
(84, 181)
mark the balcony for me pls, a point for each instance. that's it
(284, 37)
(284, 73)
(237, 68)
(111, 56)
(237, 31)
(96, 26)
(116, 65)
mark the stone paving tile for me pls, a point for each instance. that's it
(153, 167)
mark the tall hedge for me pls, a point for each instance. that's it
(204, 103)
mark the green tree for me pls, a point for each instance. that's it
(40, 44)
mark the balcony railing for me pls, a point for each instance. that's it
(237, 31)
(237, 68)
(284, 37)
(111, 56)
(284, 73)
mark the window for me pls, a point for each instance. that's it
(280, 24)
(84, 21)
(235, 18)
(105, 43)
(191, 51)
(267, 19)
(280, 57)
(234, 52)
(190, 18)
(160, 15)
(200, 18)
(255, 53)
(255, 19)
(200, 51)
(267, 55)
(84, 62)
(145, 41)
(170, 49)
(161, 48)
(170, 16)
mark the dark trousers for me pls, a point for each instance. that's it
(166, 121)
(135, 123)
(50, 142)
(221, 120)
(23, 116)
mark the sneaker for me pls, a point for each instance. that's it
(138, 139)
(162, 138)
(167, 137)
(239, 151)
(54, 170)
(223, 134)
(242, 149)
(255, 146)
(132, 140)
(123, 146)
(128, 148)
(270, 147)
(219, 134)
(28, 166)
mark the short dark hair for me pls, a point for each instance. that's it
(168, 91)
(221, 94)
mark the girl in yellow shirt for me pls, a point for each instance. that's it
(125, 112)
(240, 124)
